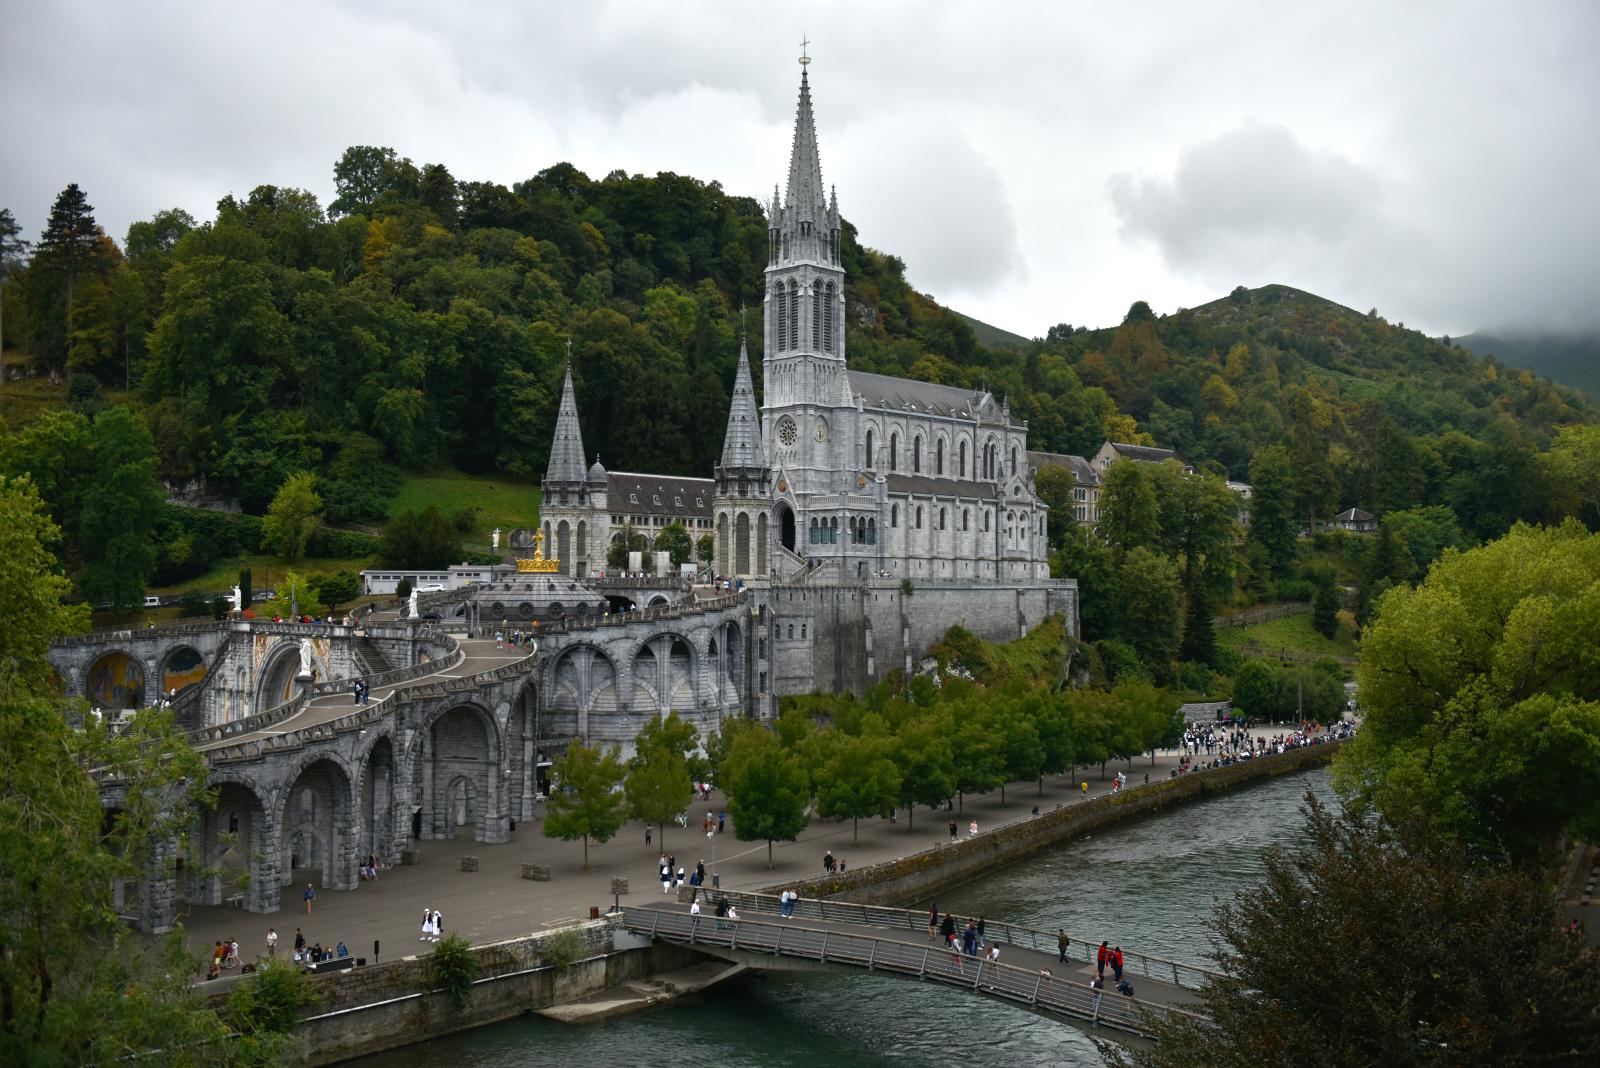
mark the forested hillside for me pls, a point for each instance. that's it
(421, 323)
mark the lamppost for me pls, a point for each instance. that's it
(716, 880)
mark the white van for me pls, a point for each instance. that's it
(151, 601)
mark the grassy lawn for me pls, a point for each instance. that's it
(265, 570)
(1290, 632)
(501, 502)
(23, 401)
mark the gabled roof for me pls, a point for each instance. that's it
(925, 398)
(1082, 470)
(1354, 515)
(633, 493)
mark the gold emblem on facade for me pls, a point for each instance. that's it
(539, 565)
(861, 481)
(783, 485)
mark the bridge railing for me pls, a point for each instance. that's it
(1188, 976)
(171, 630)
(930, 963)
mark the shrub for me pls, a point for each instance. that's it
(452, 968)
(563, 947)
(273, 1002)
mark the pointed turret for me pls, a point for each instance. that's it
(741, 446)
(566, 451)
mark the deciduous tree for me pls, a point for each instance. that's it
(768, 790)
(860, 779)
(586, 802)
(294, 517)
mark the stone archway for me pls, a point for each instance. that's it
(785, 520)
(376, 815)
(275, 682)
(317, 826)
(115, 680)
(461, 743)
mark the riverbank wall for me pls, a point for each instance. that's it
(384, 1006)
(913, 879)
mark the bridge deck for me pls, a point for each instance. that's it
(1019, 977)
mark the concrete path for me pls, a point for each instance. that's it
(495, 902)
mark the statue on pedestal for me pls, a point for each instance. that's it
(411, 605)
(236, 599)
(305, 656)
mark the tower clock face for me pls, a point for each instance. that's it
(787, 432)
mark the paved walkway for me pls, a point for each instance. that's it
(495, 902)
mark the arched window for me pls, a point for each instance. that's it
(966, 519)
(919, 517)
(791, 631)
(781, 300)
(986, 521)
(853, 539)
(827, 318)
(938, 457)
(962, 452)
(802, 631)
(870, 439)
(894, 515)
(1013, 461)
(872, 532)
(794, 316)
(833, 531)
(916, 454)
(941, 519)
(813, 532)
(894, 452)
(816, 318)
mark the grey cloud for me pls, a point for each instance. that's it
(1253, 204)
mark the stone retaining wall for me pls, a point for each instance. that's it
(910, 880)
(385, 1006)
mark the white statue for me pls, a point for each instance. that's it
(495, 539)
(411, 605)
(237, 599)
(305, 656)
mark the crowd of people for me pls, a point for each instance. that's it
(673, 875)
(1218, 745)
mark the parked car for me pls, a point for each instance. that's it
(432, 588)
(152, 601)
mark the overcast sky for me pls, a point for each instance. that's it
(1032, 163)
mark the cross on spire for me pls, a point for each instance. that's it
(804, 59)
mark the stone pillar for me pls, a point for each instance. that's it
(158, 897)
(530, 774)
(339, 870)
(265, 863)
(203, 886)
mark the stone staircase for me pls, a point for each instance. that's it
(372, 660)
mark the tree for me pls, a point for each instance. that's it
(1352, 893)
(978, 749)
(335, 588)
(674, 541)
(422, 540)
(1255, 689)
(1129, 511)
(629, 540)
(294, 517)
(31, 591)
(1272, 522)
(13, 253)
(858, 780)
(247, 593)
(1197, 514)
(926, 763)
(1576, 458)
(1426, 533)
(768, 790)
(1325, 604)
(1147, 592)
(68, 246)
(659, 783)
(121, 505)
(586, 802)
(296, 596)
(705, 548)
(1021, 750)
(1199, 643)
(1481, 690)
(1084, 556)
(266, 1010)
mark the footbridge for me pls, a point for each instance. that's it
(842, 936)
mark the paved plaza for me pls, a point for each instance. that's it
(495, 902)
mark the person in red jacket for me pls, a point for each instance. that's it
(1116, 962)
(1100, 959)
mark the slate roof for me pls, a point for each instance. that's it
(566, 451)
(908, 395)
(928, 486)
(1145, 452)
(632, 493)
(741, 445)
(1081, 469)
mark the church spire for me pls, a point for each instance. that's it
(566, 451)
(805, 198)
(741, 446)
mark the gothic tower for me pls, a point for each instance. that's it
(806, 427)
(566, 507)
(744, 485)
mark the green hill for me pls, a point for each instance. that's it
(993, 336)
(1571, 359)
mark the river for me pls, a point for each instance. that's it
(1149, 885)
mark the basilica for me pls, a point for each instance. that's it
(838, 476)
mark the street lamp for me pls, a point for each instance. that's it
(716, 880)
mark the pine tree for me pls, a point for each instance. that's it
(13, 250)
(69, 241)
(1199, 643)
